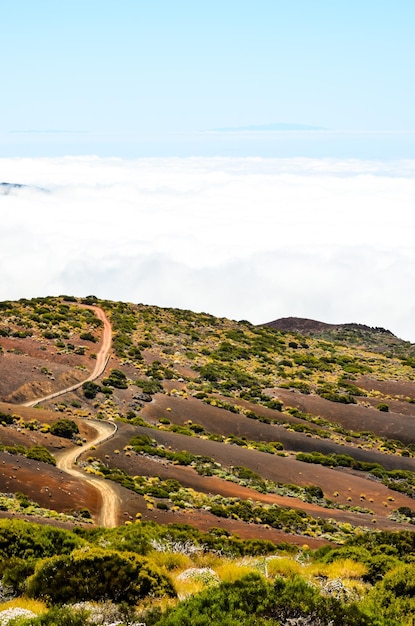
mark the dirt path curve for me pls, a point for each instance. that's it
(65, 461)
(100, 363)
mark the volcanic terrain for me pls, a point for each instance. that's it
(277, 432)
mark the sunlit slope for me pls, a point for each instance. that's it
(254, 429)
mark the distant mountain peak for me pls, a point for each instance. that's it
(309, 326)
(8, 188)
(373, 338)
(299, 324)
(270, 127)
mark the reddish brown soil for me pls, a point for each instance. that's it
(46, 485)
(353, 416)
(346, 483)
(400, 389)
(43, 483)
(203, 520)
(22, 379)
(223, 422)
(300, 325)
(12, 434)
(22, 360)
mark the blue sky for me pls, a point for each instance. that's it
(180, 66)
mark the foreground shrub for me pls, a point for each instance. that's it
(13, 573)
(82, 614)
(96, 574)
(252, 601)
(394, 596)
(229, 604)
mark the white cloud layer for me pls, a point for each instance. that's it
(245, 238)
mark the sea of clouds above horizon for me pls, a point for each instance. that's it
(246, 238)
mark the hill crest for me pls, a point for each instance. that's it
(306, 325)
(373, 338)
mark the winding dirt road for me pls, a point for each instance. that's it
(100, 363)
(66, 460)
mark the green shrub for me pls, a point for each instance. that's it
(14, 571)
(40, 453)
(141, 441)
(90, 389)
(64, 428)
(31, 541)
(163, 506)
(97, 574)
(394, 596)
(252, 601)
(88, 337)
(313, 492)
(149, 386)
(6, 418)
(383, 407)
(378, 565)
(117, 379)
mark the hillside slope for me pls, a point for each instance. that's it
(266, 433)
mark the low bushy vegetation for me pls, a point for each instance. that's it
(239, 368)
(398, 480)
(222, 579)
(36, 453)
(255, 601)
(97, 574)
